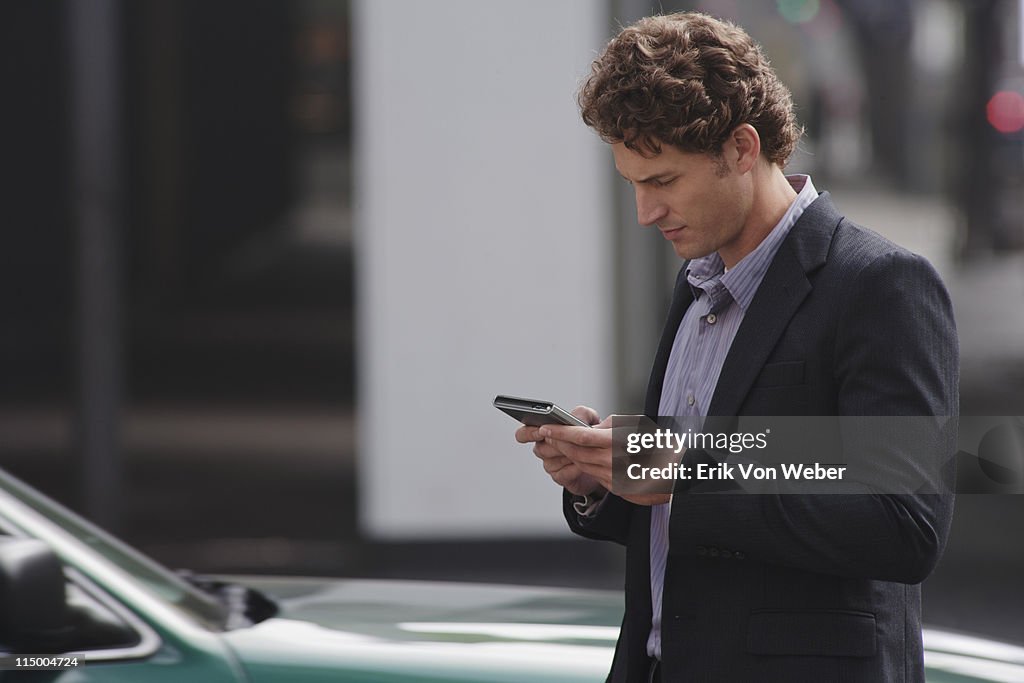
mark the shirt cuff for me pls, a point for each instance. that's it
(587, 506)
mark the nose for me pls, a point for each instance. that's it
(649, 208)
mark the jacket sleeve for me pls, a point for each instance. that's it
(610, 521)
(896, 354)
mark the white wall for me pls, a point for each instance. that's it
(483, 247)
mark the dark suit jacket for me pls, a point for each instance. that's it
(791, 587)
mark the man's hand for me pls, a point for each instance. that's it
(590, 450)
(561, 469)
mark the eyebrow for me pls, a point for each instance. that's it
(656, 176)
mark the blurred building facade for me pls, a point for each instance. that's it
(223, 194)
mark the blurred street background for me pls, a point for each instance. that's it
(265, 263)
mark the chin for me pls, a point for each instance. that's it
(689, 252)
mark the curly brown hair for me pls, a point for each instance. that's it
(687, 80)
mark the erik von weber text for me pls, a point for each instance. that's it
(734, 471)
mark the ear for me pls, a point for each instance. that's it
(746, 145)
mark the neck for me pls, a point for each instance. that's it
(771, 197)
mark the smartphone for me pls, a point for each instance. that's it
(535, 413)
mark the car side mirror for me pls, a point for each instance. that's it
(34, 615)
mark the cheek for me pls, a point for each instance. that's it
(731, 204)
(712, 212)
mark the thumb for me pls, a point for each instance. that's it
(588, 415)
(628, 421)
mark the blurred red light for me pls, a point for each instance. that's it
(1005, 111)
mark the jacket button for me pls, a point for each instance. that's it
(713, 552)
(701, 551)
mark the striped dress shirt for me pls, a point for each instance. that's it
(702, 342)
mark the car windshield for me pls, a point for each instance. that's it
(152, 576)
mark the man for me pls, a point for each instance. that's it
(782, 307)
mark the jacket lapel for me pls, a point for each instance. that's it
(783, 289)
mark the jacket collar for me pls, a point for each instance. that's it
(783, 289)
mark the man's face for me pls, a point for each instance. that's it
(700, 203)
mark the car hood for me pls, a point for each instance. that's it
(363, 630)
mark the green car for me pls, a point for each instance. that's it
(77, 606)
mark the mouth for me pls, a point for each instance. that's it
(672, 233)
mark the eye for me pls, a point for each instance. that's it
(663, 183)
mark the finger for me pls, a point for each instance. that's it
(602, 474)
(596, 456)
(544, 450)
(528, 434)
(596, 462)
(628, 421)
(581, 436)
(554, 465)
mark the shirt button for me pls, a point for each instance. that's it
(690, 400)
(711, 318)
